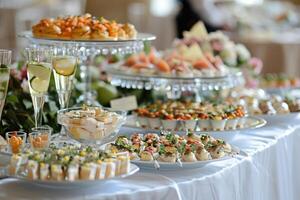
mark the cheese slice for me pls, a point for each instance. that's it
(198, 31)
(191, 53)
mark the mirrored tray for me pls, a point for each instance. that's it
(172, 83)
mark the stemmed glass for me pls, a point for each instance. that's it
(64, 68)
(38, 73)
(5, 59)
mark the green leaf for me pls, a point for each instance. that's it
(27, 103)
(12, 99)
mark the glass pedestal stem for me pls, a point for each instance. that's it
(38, 104)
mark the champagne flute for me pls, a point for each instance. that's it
(64, 68)
(5, 59)
(38, 73)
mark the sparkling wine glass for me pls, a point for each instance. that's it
(5, 59)
(38, 73)
(64, 68)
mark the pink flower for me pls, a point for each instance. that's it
(217, 45)
(250, 81)
(256, 65)
(16, 74)
(23, 72)
(25, 86)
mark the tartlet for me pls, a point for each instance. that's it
(83, 27)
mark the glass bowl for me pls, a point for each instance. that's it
(91, 125)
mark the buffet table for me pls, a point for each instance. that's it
(268, 171)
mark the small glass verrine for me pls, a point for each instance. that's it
(16, 141)
(40, 137)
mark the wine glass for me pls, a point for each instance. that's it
(5, 59)
(64, 65)
(38, 74)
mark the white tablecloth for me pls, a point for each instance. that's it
(270, 171)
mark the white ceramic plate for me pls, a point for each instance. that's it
(5, 158)
(251, 123)
(280, 118)
(184, 165)
(78, 183)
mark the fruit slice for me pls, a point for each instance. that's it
(42, 70)
(64, 65)
(39, 85)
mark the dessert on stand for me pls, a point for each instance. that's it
(199, 63)
(86, 37)
(66, 42)
(187, 66)
(76, 40)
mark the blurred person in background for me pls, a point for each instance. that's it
(193, 11)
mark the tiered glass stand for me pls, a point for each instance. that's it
(86, 50)
(174, 86)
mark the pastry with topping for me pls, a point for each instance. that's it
(83, 27)
(172, 148)
(69, 163)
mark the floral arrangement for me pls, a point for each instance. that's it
(236, 55)
(219, 45)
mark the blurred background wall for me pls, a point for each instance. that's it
(276, 43)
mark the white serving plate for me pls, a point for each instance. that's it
(280, 118)
(184, 165)
(78, 183)
(252, 122)
(59, 184)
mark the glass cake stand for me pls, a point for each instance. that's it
(175, 85)
(86, 50)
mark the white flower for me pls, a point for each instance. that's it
(228, 54)
(25, 86)
(218, 35)
(242, 52)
